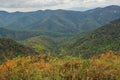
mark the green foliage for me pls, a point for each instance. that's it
(28, 34)
(42, 43)
(10, 49)
(99, 41)
(39, 48)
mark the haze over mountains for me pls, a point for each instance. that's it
(59, 20)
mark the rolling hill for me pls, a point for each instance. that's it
(10, 49)
(101, 40)
(42, 44)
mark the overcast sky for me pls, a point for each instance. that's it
(33, 5)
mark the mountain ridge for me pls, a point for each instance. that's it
(59, 20)
(98, 41)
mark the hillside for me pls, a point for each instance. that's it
(23, 35)
(101, 40)
(10, 49)
(59, 20)
(17, 35)
(42, 44)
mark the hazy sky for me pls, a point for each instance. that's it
(33, 5)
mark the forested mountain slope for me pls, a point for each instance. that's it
(59, 20)
(100, 40)
(10, 49)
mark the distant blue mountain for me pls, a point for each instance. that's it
(62, 21)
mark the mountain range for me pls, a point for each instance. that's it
(52, 30)
(62, 21)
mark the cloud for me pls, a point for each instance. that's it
(32, 5)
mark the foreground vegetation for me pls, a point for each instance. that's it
(45, 67)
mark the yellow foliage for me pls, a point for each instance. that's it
(43, 67)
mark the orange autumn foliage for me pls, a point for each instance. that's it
(43, 67)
